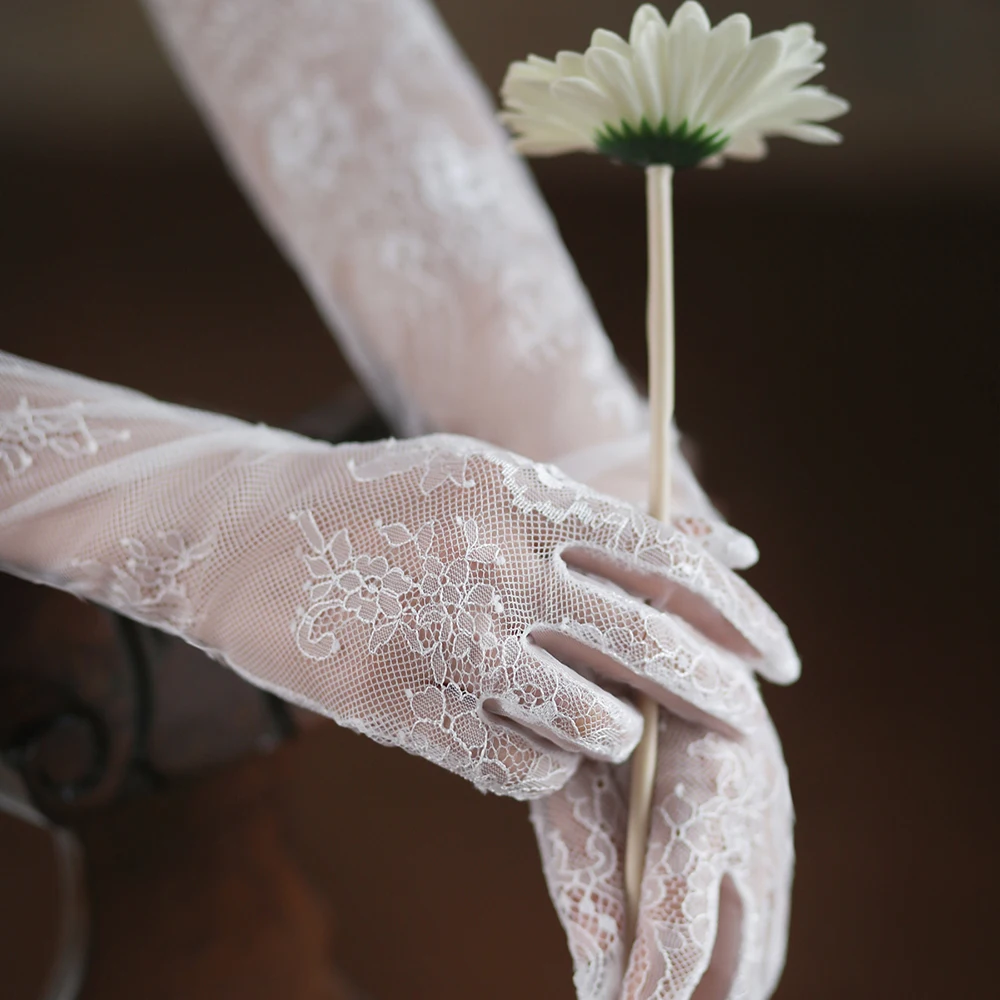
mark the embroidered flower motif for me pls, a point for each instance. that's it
(456, 175)
(545, 489)
(148, 586)
(677, 94)
(446, 714)
(307, 137)
(371, 588)
(25, 431)
(474, 636)
(366, 587)
(441, 465)
(462, 616)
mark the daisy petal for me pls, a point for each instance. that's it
(818, 134)
(587, 97)
(646, 15)
(603, 39)
(762, 57)
(613, 74)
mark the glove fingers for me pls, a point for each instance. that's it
(722, 541)
(715, 893)
(533, 689)
(691, 972)
(581, 833)
(449, 727)
(674, 572)
(591, 624)
(682, 948)
(765, 879)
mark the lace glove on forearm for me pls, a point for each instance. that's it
(372, 154)
(370, 150)
(395, 587)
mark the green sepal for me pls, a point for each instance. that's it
(661, 145)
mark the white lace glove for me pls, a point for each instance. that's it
(717, 885)
(394, 587)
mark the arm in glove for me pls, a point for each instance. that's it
(369, 149)
(372, 154)
(436, 594)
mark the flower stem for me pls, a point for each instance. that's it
(660, 333)
(660, 347)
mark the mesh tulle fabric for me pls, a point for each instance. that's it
(407, 589)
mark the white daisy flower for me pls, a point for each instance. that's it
(675, 94)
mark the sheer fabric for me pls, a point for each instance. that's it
(371, 152)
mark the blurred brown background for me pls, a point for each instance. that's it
(838, 370)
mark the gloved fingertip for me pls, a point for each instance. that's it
(744, 553)
(733, 548)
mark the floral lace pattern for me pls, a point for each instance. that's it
(27, 431)
(722, 826)
(148, 585)
(439, 595)
(457, 601)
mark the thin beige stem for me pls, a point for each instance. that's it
(660, 345)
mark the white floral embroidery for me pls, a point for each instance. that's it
(723, 812)
(441, 464)
(459, 618)
(311, 134)
(148, 586)
(26, 431)
(366, 587)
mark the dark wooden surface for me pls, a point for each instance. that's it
(837, 367)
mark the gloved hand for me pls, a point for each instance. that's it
(436, 594)
(716, 890)
(715, 896)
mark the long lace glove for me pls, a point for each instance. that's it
(715, 894)
(372, 153)
(395, 587)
